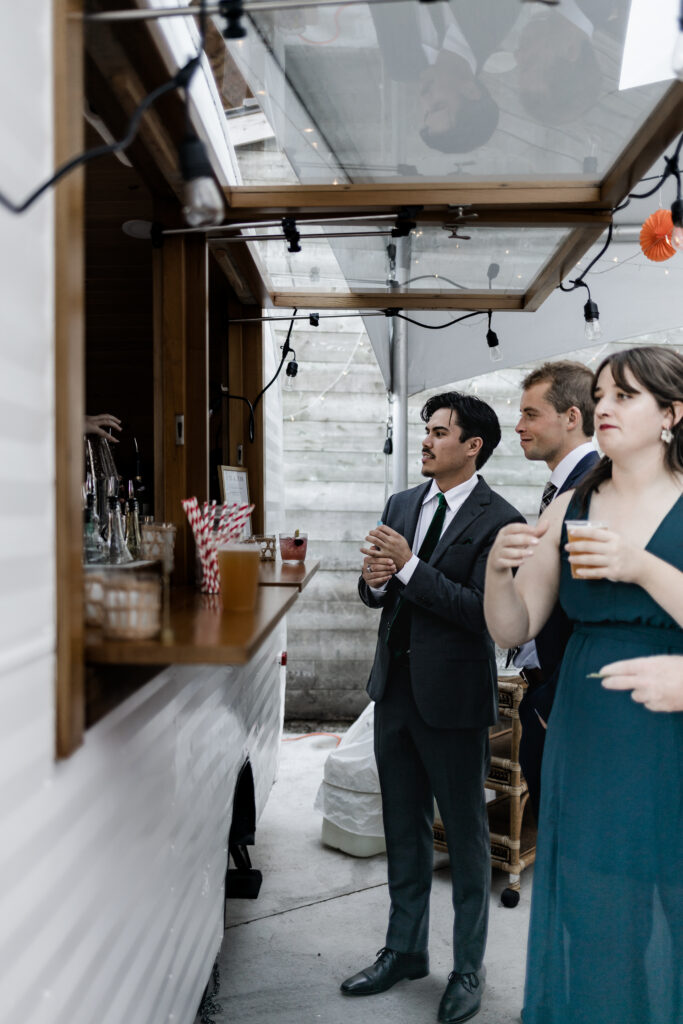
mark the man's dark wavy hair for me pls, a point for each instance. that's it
(474, 417)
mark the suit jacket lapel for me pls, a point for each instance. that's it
(413, 512)
(578, 472)
(470, 510)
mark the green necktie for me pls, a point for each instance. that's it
(398, 634)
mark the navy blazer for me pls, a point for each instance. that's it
(452, 662)
(554, 637)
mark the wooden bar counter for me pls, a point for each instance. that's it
(287, 574)
(202, 633)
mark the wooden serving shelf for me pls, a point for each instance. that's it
(287, 574)
(202, 633)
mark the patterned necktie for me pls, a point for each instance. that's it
(549, 492)
(398, 634)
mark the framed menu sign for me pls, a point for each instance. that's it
(234, 485)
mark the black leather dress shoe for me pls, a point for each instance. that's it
(389, 967)
(462, 998)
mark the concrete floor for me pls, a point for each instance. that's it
(321, 915)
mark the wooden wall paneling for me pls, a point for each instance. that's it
(197, 364)
(238, 414)
(245, 377)
(170, 362)
(218, 371)
(118, 312)
(69, 401)
(252, 342)
(181, 386)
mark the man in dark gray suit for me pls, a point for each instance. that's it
(434, 684)
(555, 426)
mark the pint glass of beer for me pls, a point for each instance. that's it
(238, 568)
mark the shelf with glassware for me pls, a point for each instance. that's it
(132, 615)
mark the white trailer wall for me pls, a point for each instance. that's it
(111, 862)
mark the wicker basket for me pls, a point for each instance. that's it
(131, 606)
(93, 598)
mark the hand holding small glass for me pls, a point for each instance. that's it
(601, 553)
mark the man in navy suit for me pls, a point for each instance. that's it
(555, 427)
(435, 691)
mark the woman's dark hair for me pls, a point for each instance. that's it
(659, 371)
(475, 419)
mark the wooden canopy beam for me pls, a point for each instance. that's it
(559, 265)
(396, 300)
(281, 199)
(662, 126)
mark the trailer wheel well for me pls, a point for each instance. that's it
(243, 826)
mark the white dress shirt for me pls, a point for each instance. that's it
(455, 499)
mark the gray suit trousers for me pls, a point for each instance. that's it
(416, 763)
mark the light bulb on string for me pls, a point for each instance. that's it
(677, 218)
(203, 202)
(591, 314)
(495, 353)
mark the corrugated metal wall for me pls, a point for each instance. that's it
(111, 862)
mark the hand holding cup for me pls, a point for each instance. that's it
(596, 553)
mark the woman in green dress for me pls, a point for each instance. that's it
(606, 932)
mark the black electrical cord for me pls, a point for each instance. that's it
(579, 282)
(437, 277)
(439, 327)
(180, 80)
(252, 418)
(285, 352)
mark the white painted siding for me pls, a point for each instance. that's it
(111, 862)
(114, 860)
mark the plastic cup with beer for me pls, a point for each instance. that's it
(581, 529)
(238, 569)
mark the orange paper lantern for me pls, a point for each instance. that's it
(655, 236)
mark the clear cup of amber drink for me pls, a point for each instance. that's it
(581, 529)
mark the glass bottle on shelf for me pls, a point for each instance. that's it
(116, 542)
(93, 545)
(133, 538)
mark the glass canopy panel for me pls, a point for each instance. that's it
(500, 259)
(449, 91)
